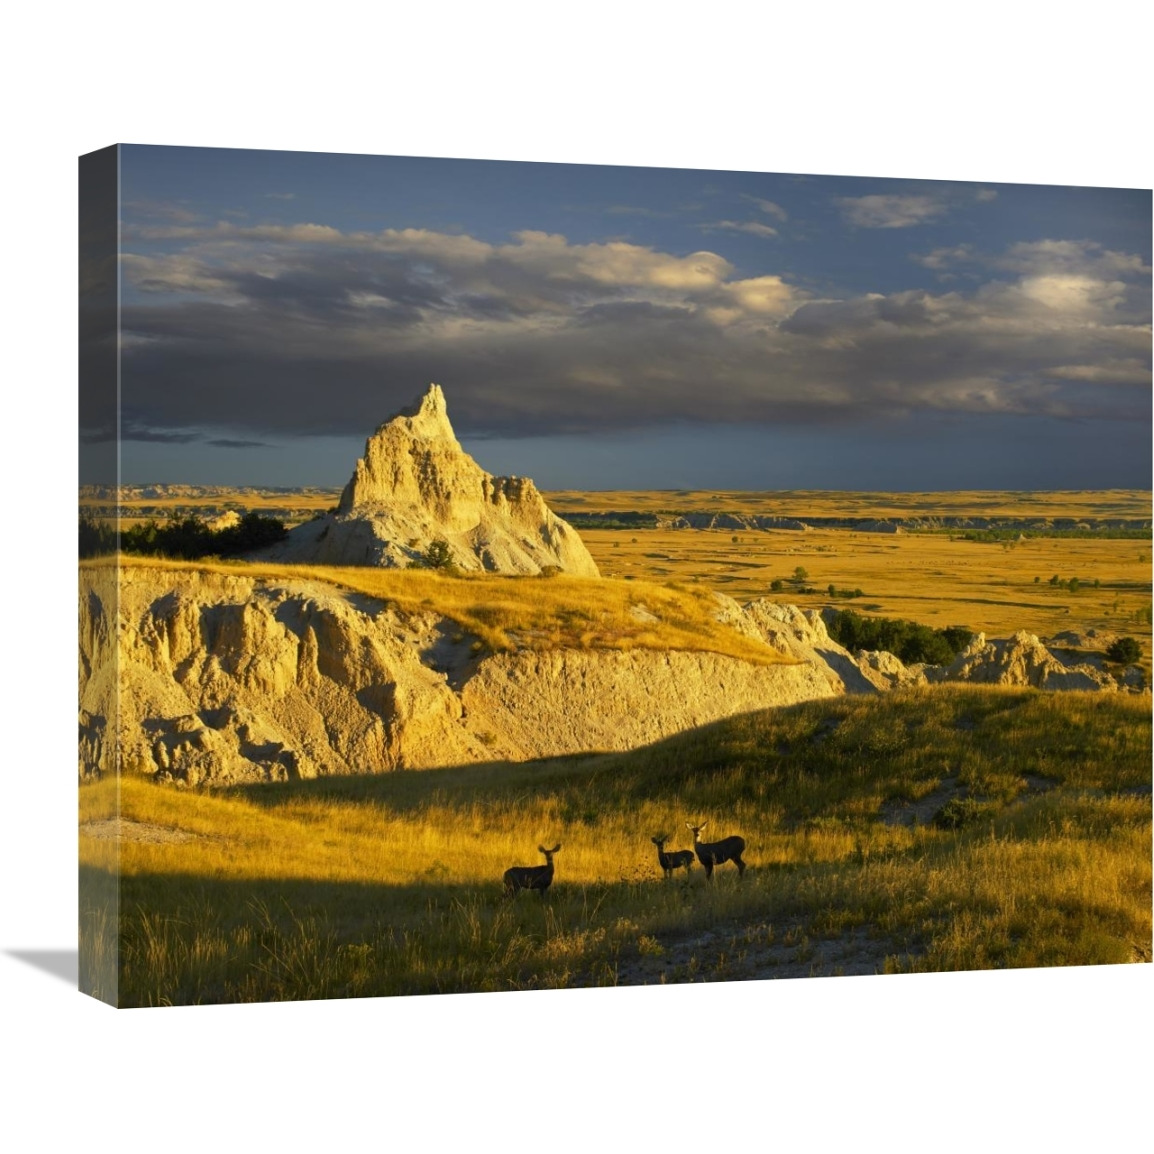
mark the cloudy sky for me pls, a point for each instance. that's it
(619, 327)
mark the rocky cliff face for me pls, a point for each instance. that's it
(227, 679)
(416, 485)
(219, 678)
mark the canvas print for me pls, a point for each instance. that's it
(505, 576)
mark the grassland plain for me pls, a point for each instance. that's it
(951, 828)
(939, 578)
(799, 503)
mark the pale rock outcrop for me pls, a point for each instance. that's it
(885, 671)
(221, 678)
(229, 519)
(1019, 660)
(540, 704)
(802, 635)
(416, 485)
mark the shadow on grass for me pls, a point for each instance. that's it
(654, 770)
(186, 938)
(794, 757)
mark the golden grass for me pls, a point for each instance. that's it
(938, 580)
(391, 884)
(935, 579)
(799, 503)
(802, 503)
(512, 613)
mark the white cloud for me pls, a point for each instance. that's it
(1071, 294)
(880, 211)
(1113, 372)
(753, 227)
(941, 258)
(764, 295)
(767, 206)
(1070, 257)
(175, 272)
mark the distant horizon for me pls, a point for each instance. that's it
(797, 491)
(634, 328)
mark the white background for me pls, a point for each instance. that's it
(1039, 1060)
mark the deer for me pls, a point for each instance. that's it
(672, 861)
(538, 878)
(711, 853)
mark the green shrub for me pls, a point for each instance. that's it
(188, 538)
(1125, 651)
(438, 555)
(97, 537)
(906, 640)
(960, 812)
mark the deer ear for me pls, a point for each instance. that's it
(703, 825)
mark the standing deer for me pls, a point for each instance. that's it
(672, 861)
(711, 853)
(538, 878)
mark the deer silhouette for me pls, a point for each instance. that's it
(672, 861)
(711, 853)
(538, 878)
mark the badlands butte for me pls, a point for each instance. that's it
(441, 616)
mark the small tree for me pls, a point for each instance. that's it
(438, 555)
(1125, 651)
(800, 574)
(776, 585)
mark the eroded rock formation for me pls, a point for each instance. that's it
(227, 678)
(221, 678)
(414, 486)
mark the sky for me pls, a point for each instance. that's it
(605, 328)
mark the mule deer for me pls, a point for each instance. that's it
(672, 861)
(711, 853)
(538, 878)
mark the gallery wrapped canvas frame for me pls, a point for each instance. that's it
(774, 708)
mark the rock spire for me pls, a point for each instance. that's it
(416, 485)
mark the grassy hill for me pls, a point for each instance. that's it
(948, 829)
(509, 613)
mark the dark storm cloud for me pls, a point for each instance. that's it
(229, 443)
(302, 329)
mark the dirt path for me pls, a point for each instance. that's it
(743, 953)
(122, 829)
